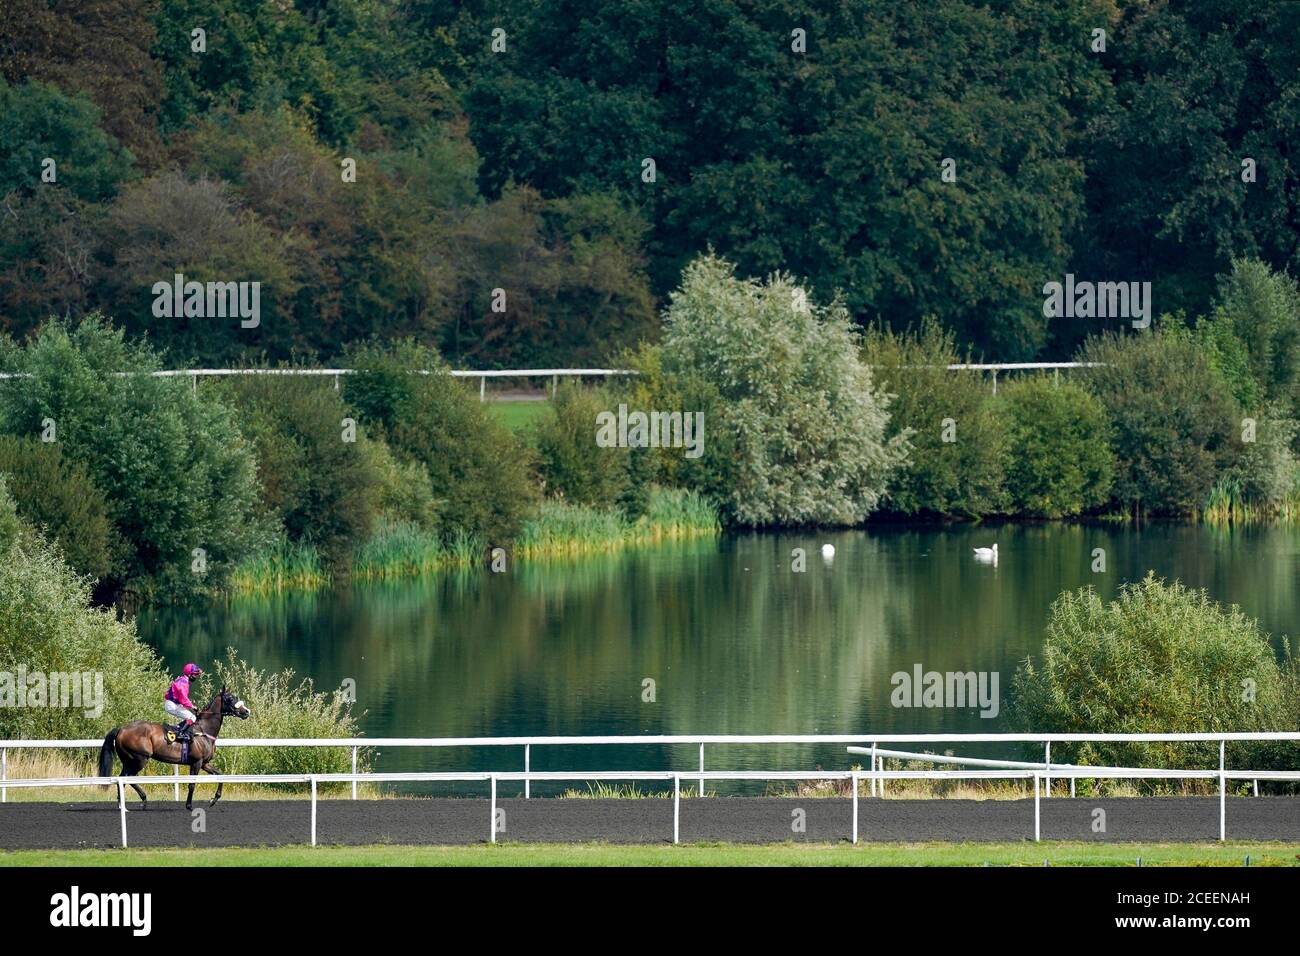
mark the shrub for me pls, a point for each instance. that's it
(479, 472)
(172, 464)
(58, 497)
(1171, 415)
(282, 707)
(808, 425)
(661, 388)
(405, 494)
(1262, 309)
(1059, 460)
(47, 625)
(570, 461)
(1159, 658)
(932, 406)
(322, 489)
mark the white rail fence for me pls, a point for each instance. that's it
(1040, 774)
(555, 374)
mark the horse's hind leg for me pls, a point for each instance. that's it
(129, 769)
(216, 773)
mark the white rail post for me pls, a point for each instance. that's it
(4, 774)
(336, 383)
(1037, 818)
(1223, 795)
(855, 808)
(1047, 764)
(494, 808)
(195, 380)
(313, 810)
(354, 770)
(482, 388)
(873, 769)
(176, 787)
(701, 770)
(527, 761)
(677, 808)
(121, 808)
(555, 384)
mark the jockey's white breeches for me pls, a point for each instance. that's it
(177, 711)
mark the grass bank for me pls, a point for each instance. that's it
(734, 854)
(557, 529)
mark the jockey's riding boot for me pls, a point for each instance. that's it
(184, 731)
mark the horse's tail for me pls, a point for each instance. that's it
(107, 753)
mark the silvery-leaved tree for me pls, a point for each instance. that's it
(797, 411)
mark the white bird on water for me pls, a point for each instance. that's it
(987, 554)
(828, 551)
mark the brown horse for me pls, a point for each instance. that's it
(140, 741)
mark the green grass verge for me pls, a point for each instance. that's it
(732, 854)
(517, 416)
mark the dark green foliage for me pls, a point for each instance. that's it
(322, 489)
(1198, 89)
(1059, 460)
(57, 496)
(478, 470)
(572, 465)
(1172, 416)
(958, 443)
(38, 122)
(177, 474)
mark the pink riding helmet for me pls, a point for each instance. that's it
(192, 670)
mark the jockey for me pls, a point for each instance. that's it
(177, 701)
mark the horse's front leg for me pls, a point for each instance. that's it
(189, 797)
(216, 773)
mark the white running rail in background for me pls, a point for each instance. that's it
(855, 744)
(555, 374)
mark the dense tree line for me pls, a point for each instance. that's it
(505, 146)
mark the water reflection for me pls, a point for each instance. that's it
(735, 641)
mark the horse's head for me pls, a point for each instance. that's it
(232, 706)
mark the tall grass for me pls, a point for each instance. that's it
(401, 549)
(1227, 504)
(286, 566)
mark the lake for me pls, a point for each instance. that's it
(734, 640)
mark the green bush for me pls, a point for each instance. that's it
(59, 498)
(1059, 460)
(572, 465)
(1172, 417)
(1159, 658)
(806, 421)
(176, 471)
(281, 707)
(323, 489)
(479, 472)
(1262, 309)
(405, 493)
(958, 442)
(47, 625)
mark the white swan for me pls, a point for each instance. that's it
(828, 551)
(987, 554)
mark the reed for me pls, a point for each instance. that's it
(557, 530)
